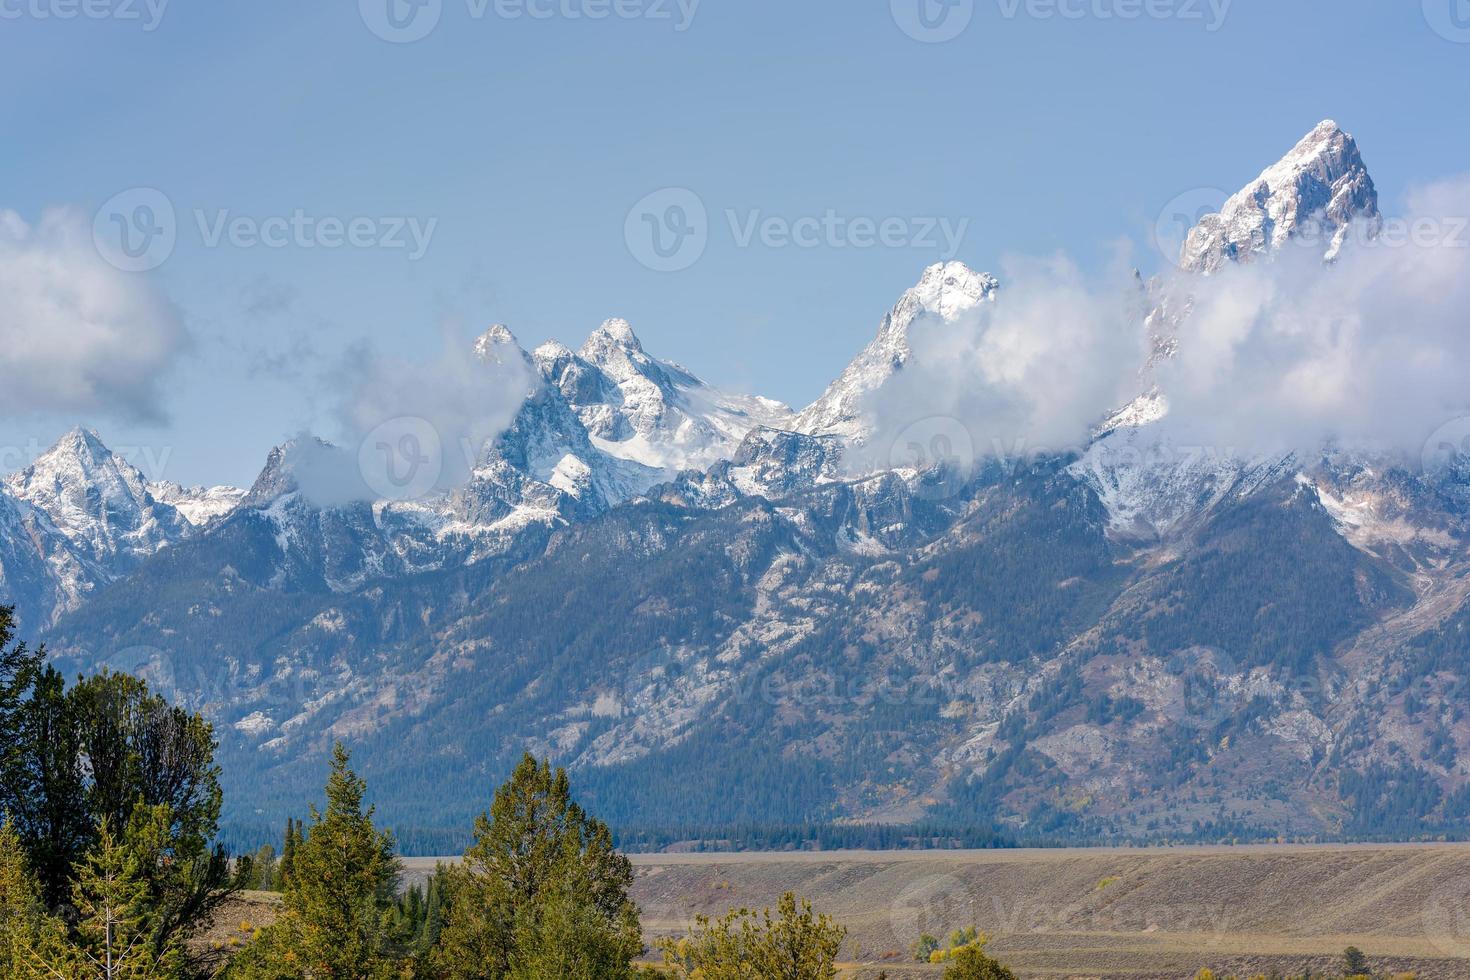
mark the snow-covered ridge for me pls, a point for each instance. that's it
(947, 290)
(1315, 193)
(81, 516)
(655, 413)
(609, 422)
(1322, 180)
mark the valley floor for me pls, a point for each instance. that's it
(1123, 912)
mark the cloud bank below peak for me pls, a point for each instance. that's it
(1291, 354)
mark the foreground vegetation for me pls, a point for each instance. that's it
(110, 870)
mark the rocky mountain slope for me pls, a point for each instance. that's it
(690, 598)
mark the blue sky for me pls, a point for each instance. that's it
(523, 142)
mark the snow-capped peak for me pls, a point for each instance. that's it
(947, 290)
(101, 503)
(79, 475)
(1322, 183)
(614, 333)
(498, 345)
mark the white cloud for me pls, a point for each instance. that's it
(1372, 350)
(78, 336)
(412, 427)
(1033, 371)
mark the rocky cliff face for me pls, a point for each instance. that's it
(687, 596)
(1317, 192)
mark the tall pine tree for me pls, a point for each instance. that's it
(117, 925)
(542, 888)
(335, 918)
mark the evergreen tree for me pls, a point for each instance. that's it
(265, 868)
(20, 904)
(433, 915)
(114, 935)
(541, 887)
(19, 667)
(334, 922)
(288, 854)
(49, 792)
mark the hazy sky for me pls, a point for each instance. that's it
(491, 171)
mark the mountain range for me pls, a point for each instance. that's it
(720, 614)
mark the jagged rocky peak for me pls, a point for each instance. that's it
(498, 345)
(80, 451)
(97, 499)
(286, 464)
(552, 357)
(614, 334)
(1321, 186)
(947, 291)
(80, 479)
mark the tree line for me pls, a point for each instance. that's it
(110, 869)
